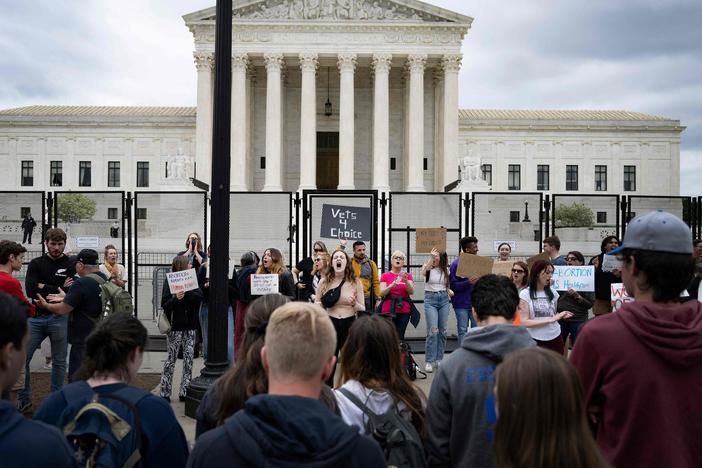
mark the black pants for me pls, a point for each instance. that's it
(341, 326)
(27, 236)
(75, 359)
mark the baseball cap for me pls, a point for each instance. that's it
(87, 257)
(658, 231)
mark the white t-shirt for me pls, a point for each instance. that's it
(437, 282)
(542, 308)
(378, 402)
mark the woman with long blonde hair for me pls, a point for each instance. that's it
(273, 263)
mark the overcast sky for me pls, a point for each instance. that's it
(637, 55)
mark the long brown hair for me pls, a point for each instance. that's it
(180, 263)
(278, 263)
(541, 414)
(247, 377)
(371, 355)
(330, 274)
(525, 278)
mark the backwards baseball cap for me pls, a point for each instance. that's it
(87, 257)
(657, 231)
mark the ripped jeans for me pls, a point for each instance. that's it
(436, 311)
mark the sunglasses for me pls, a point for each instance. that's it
(318, 250)
(514, 270)
(316, 260)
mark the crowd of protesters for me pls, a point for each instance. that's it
(317, 369)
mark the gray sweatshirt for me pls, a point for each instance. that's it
(461, 408)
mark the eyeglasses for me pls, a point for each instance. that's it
(515, 270)
(571, 259)
(397, 257)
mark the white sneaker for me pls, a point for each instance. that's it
(428, 368)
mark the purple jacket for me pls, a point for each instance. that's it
(461, 287)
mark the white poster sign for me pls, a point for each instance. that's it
(579, 278)
(87, 242)
(185, 280)
(619, 296)
(610, 263)
(264, 284)
(496, 244)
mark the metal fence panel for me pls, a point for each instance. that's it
(679, 206)
(577, 234)
(13, 207)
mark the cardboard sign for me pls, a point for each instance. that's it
(579, 278)
(470, 265)
(496, 244)
(502, 268)
(535, 258)
(431, 238)
(619, 296)
(610, 263)
(352, 223)
(264, 284)
(185, 280)
(87, 242)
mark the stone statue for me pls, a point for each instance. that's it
(470, 168)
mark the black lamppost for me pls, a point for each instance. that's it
(526, 212)
(216, 363)
(328, 104)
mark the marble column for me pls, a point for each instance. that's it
(347, 66)
(239, 162)
(450, 64)
(415, 154)
(273, 180)
(438, 130)
(381, 122)
(204, 62)
(308, 122)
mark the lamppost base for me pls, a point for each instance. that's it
(199, 386)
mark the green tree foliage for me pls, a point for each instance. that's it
(575, 215)
(73, 207)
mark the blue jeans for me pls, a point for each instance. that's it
(463, 316)
(436, 310)
(230, 331)
(56, 328)
(570, 328)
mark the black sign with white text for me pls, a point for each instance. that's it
(346, 222)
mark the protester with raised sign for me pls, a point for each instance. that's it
(462, 289)
(396, 287)
(577, 302)
(341, 294)
(641, 365)
(273, 263)
(604, 279)
(436, 307)
(537, 307)
(181, 309)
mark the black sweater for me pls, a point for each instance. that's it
(51, 272)
(183, 314)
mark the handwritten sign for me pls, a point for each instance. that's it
(87, 242)
(502, 268)
(264, 284)
(185, 280)
(470, 265)
(580, 278)
(610, 263)
(496, 244)
(346, 222)
(431, 238)
(535, 258)
(619, 296)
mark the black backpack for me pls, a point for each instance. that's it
(408, 362)
(396, 436)
(104, 430)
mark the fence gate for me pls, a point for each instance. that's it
(518, 218)
(14, 207)
(162, 223)
(331, 215)
(582, 221)
(637, 205)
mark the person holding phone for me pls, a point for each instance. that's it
(194, 250)
(396, 286)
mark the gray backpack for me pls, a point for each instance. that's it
(114, 299)
(396, 436)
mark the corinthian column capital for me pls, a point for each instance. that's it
(274, 62)
(308, 62)
(346, 62)
(415, 62)
(451, 62)
(382, 63)
(203, 60)
(240, 62)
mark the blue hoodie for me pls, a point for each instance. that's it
(20, 438)
(285, 431)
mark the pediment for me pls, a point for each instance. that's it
(336, 10)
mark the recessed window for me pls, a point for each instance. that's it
(426, 164)
(24, 211)
(112, 213)
(514, 177)
(56, 173)
(487, 173)
(27, 173)
(84, 174)
(542, 176)
(142, 174)
(141, 213)
(601, 217)
(263, 162)
(113, 173)
(629, 178)
(571, 177)
(600, 178)
(514, 216)
(393, 164)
